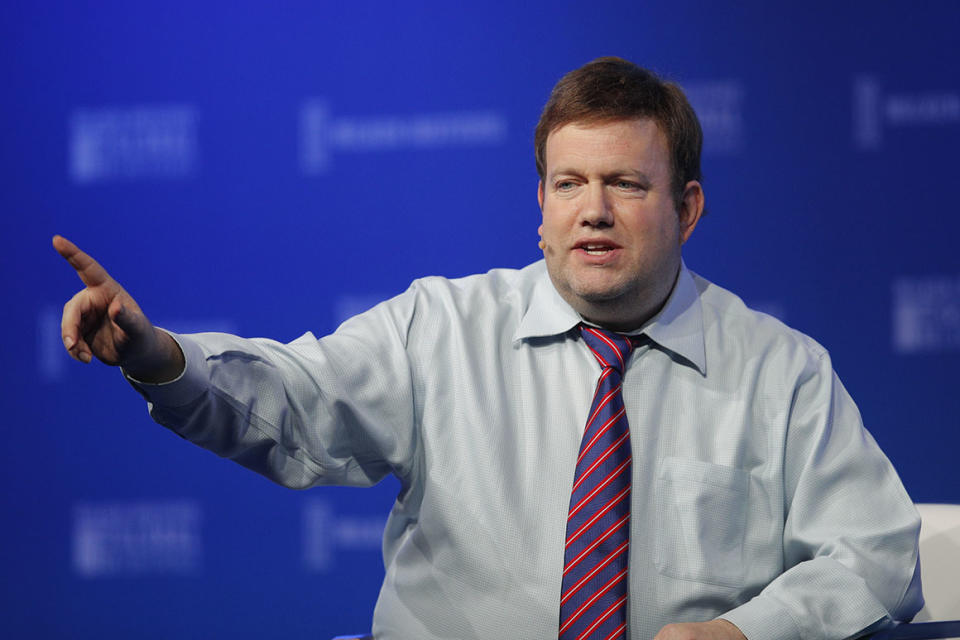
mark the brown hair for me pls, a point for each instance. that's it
(609, 89)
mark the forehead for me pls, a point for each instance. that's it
(636, 144)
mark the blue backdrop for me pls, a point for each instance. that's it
(272, 169)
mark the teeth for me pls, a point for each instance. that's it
(595, 250)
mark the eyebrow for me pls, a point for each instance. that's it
(635, 174)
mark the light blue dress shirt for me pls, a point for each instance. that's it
(757, 494)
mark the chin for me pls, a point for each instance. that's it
(599, 293)
(595, 288)
(603, 297)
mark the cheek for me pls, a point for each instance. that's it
(557, 214)
(659, 229)
(551, 224)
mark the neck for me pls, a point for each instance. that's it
(624, 316)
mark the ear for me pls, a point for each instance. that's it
(691, 209)
(540, 193)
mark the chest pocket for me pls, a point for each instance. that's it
(702, 512)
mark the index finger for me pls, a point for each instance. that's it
(89, 270)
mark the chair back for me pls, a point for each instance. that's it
(940, 561)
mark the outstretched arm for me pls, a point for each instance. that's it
(103, 320)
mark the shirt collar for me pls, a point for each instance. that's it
(547, 314)
(678, 327)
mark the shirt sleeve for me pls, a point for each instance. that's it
(851, 530)
(338, 410)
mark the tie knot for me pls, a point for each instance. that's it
(611, 349)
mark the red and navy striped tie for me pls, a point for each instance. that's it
(593, 600)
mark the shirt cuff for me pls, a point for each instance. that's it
(185, 388)
(763, 618)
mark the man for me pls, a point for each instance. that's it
(744, 500)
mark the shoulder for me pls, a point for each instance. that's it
(434, 304)
(436, 308)
(734, 330)
(502, 287)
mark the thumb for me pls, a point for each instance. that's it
(131, 322)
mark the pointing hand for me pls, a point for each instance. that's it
(103, 320)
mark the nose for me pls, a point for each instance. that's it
(595, 211)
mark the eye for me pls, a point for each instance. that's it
(564, 185)
(627, 185)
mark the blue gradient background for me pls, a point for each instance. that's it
(801, 221)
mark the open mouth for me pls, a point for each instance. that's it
(596, 248)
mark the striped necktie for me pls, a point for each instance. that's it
(593, 600)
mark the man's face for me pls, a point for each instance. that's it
(610, 225)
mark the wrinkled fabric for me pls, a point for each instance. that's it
(757, 494)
